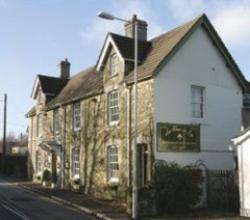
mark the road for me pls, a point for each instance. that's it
(17, 203)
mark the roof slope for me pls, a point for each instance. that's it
(84, 84)
(126, 47)
(161, 47)
(51, 85)
(164, 46)
(152, 54)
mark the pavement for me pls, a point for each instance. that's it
(27, 200)
(100, 209)
(17, 203)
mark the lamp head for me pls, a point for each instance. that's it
(106, 15)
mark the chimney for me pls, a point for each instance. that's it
(142, 28)
(64, 69)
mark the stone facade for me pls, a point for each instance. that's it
(97, 156)
(94, 136)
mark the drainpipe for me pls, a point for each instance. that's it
(63, 149)
(129, 134)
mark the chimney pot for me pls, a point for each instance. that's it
(64, 69)
(141, 25)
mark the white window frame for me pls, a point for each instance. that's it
(113, 64)
(113, 163)
(75, 162)
(113, 107)
(56, 121)
(39, 127)
(197, 102)
(38, 161)
(77, 116)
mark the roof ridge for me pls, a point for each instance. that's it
(48, 76)
(84, 71)
(194, 20)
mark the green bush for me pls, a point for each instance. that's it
(46, 176)
(177, 188)
(54, 177)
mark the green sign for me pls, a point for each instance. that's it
(178, 137)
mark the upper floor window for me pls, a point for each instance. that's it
(113, 65)
(56, 121)
(197, 101)
(112, 163)
(113, 107)
(75, 161)
(38, 161)
(39, 125)
(76, 116)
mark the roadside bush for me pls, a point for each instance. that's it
(176, 188)
(46, 176)
(54, 177)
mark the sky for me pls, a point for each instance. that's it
(36, 34)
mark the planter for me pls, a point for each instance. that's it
(45, 184)
(53, 185)
(75, 187)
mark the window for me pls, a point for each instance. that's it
(113, 165)
(76, 116)
(113, 107)
(113, 65)
(38, 161)
(39, 125)
(75, 161)
(56, 125)
(197, 101)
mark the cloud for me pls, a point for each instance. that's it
(3, 3)
(231, 18)
(97, 31)
(187, 9)
(233, 24)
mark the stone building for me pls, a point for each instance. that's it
(190, 94)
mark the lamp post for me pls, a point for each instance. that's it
(108, 16)
(4, 132)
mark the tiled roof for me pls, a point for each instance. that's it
(51, 85)
(161, 48)
(152, 55)
(126, 47)
(84, 84)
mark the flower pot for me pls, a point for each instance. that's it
(53, 185)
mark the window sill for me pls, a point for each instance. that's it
(202, 121)
(76, 129)
(113, 76)
(113, 123)
(113, 181)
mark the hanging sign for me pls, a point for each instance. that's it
(178, 137)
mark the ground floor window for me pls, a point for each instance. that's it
(75, 161)
(112, 164)
(38, 161)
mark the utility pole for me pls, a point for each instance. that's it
(4, 132)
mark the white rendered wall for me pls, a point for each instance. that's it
(244, 177)
(198, 62)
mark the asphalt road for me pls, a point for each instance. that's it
(17, 203)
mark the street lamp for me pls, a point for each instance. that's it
(108, 16)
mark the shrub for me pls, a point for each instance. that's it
(46, 176)
(54, 177)
(177, 188)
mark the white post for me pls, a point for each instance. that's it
(135, 153)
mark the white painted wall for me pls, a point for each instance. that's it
(198, 62)
(242, 144)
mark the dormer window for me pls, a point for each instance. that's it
(76, 116)
(113, 65)
(56, 121)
